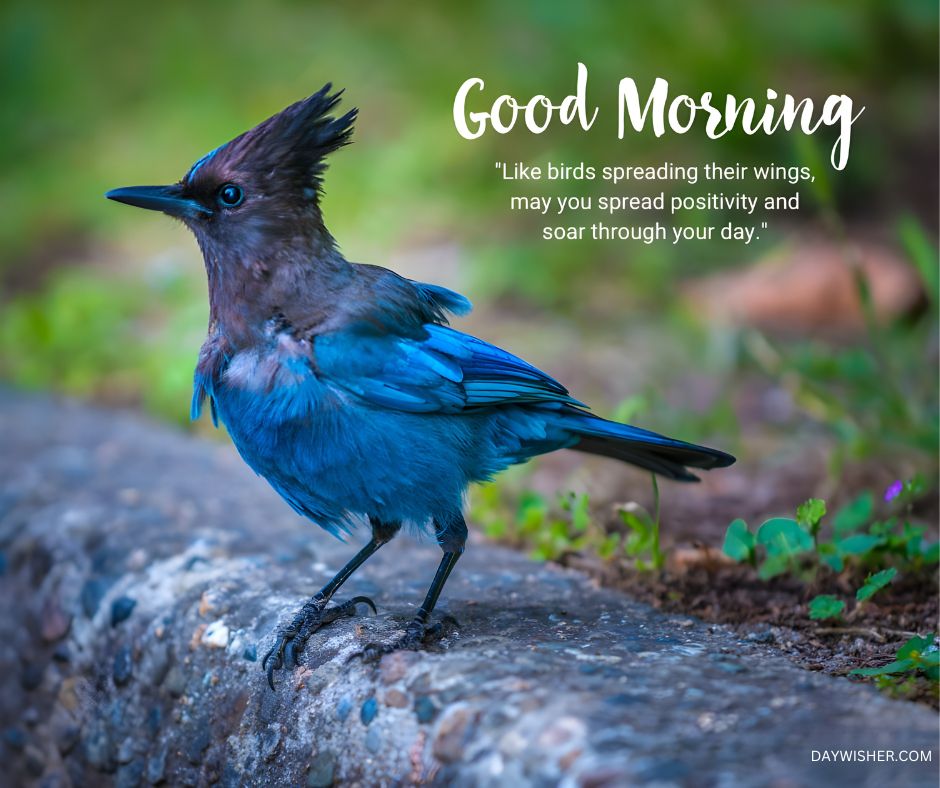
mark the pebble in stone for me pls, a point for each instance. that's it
(154, 721)
(155, 663)
(126, 750)
(216, 634)
(394, 666)
(98, 747)
(93, 591)
(766, 636)
(116, 713)
(452, 732)
(396, 699)
(343, 708)
(193, 561)
(156, 765)
(270, 740)
(425, 710)
(70, 691)
(123, 666)
(322, 770)
(373, 740)
(31, 676)
(250, 653)
(731, 667)
(369, 709)
(54, 621)
(175, 682)
(130, 774)
(121, 609)
(14, 738)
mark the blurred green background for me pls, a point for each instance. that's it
(108, 303)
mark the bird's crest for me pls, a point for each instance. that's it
(290, 146)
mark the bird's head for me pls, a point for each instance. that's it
(251, 197)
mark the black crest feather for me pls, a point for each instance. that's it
(293, 143)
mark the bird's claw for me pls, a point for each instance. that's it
(417, 635)
(292, 639)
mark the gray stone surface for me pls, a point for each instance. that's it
(143, 572)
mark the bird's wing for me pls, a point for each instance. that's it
(446, 371)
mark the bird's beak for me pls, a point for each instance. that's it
(169, 199)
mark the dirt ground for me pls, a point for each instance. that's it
(700, 581)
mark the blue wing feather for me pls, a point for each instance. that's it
(448, 371)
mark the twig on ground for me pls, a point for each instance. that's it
(851, 631)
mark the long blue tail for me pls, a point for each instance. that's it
(657, 453)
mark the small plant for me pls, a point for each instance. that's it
(874, 583)
(642, 542)
(552, 531)
(784, 542)
(918, 656)
(826, 606)
(809, 515)
(740, 543)
(797, 546)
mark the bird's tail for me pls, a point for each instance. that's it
(657, 453)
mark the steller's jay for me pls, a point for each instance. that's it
(342, 384)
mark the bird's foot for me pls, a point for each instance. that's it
(292, 638)
(417, 635)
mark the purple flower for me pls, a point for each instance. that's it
(894, 490)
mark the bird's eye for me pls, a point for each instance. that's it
(231, 195)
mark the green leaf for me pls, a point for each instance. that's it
(874, 583)
(739, 541)
(782, 536)
(930, 659)
(608, 547)
(857, 544)
(916, 646)
(579, 506)
(898, 666)
(825, 606)
(810, 513)
(772, 566)
(932, 553)
(830, 556)
(855, 514)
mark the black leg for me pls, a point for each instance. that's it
(314, 614)
(452, 537)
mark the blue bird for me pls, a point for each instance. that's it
(342, 383)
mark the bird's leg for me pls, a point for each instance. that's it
(452, 537)
(315, 613)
